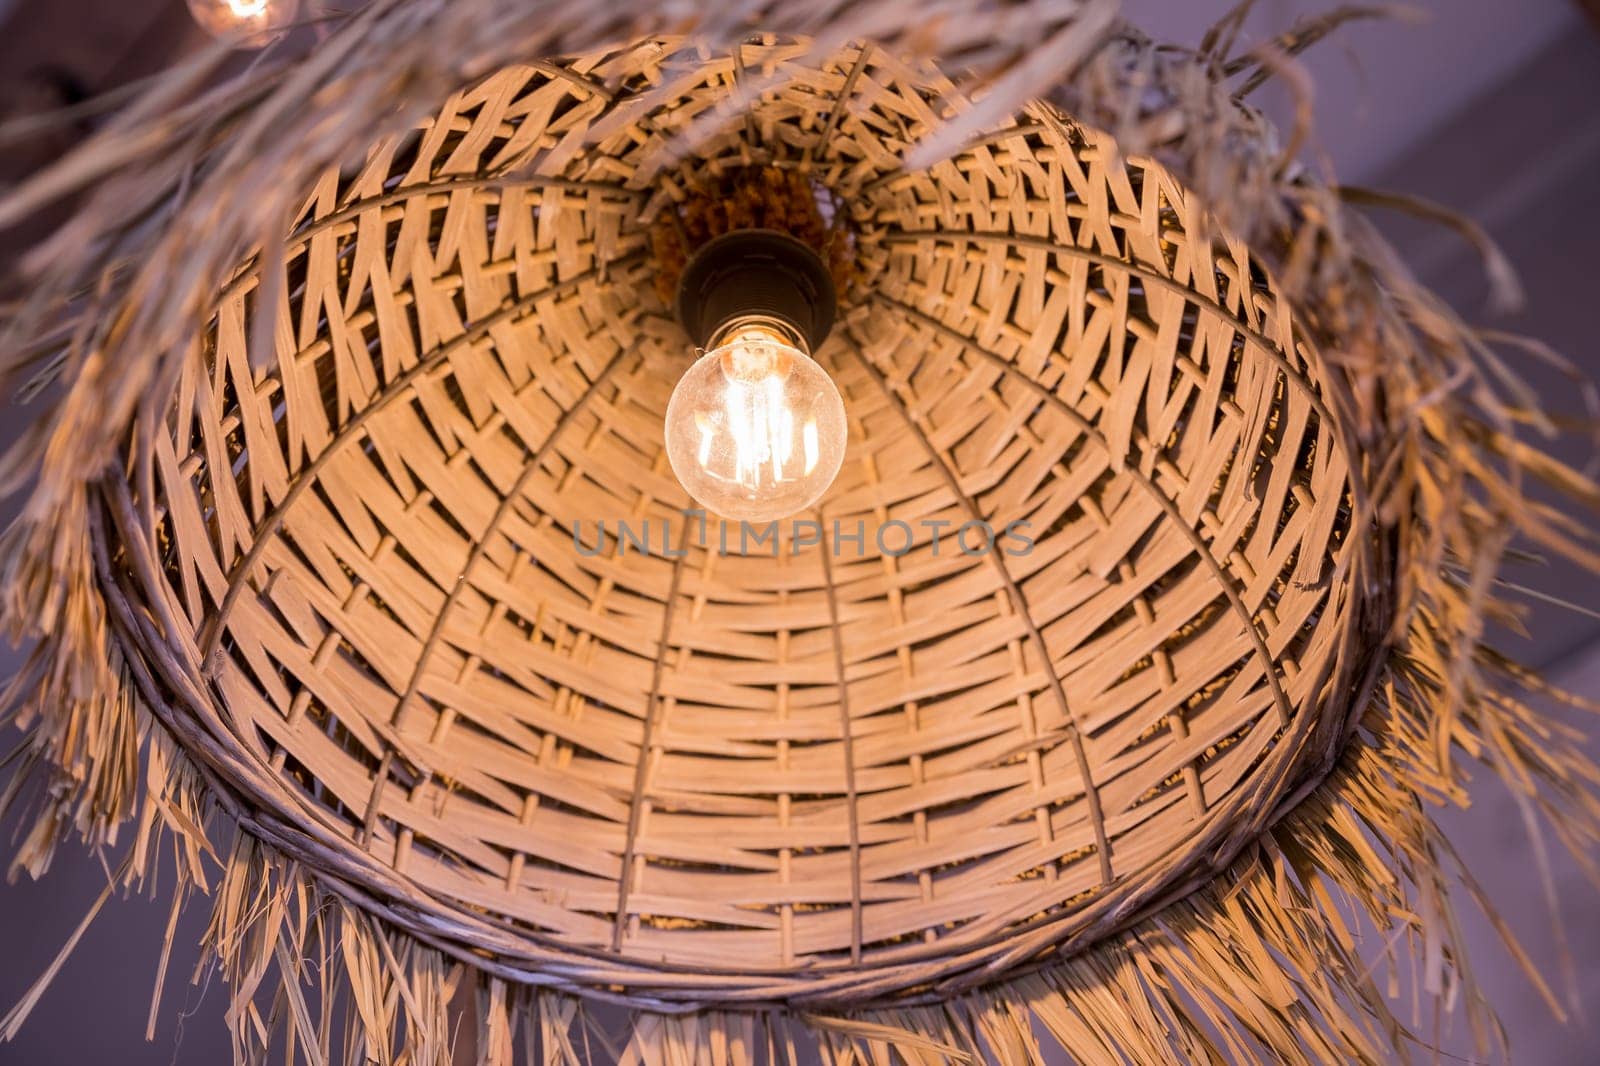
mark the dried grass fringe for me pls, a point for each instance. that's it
(1264, 962)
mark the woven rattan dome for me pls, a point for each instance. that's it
(311, 549)
(737, 778)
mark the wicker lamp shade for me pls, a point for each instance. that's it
(1072, 700)
(821, 769)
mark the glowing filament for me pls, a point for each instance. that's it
(756, 430)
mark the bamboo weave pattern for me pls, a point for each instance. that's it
(845, 773)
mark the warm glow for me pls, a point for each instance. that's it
(245, 23)
(756, 429)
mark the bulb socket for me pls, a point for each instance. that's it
(756, 273)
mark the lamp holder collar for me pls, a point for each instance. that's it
(756, 273)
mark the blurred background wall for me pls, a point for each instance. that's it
(1491, 107)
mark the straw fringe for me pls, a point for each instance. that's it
(71, 699)
(1259, 963)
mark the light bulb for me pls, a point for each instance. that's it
(245, 23)
(756, 430)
